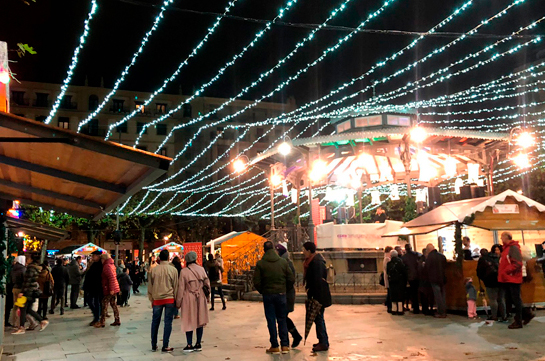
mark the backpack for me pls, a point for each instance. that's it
(47, 286)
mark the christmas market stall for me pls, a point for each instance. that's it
(87, 249)
(482, 220)
(173, 248)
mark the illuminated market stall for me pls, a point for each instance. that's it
(173, 248)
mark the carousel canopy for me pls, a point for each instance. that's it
(171, 247)
(384, 155)
(505, 211)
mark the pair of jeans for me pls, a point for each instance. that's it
(58, 296)
(497, 303)
(74, 294)
(276, 309)
(28, 310)
(95, 301)
(439, 293)
(123, 298)
(42, 307)
(321, 331)
(170, 310)
(413, 295)
(216, 290)
(189, 336)
(513, 290)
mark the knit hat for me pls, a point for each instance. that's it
(281, 249)
(191, 257)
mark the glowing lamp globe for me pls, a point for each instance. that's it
(239, 165)
(4, 77)
(522, 161)
(276, 180)
(284, 148)
(418, 135)
(525, 140)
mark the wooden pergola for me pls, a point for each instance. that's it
(59, 169)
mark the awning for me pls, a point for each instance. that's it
(221, 239)
(73, 173)
(37, 230)
(87, 249)
(404, 231)
(171, 247)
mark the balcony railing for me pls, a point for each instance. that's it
(68, 105)
(20, 102)
(41, 103)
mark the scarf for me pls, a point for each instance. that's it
(307, 263)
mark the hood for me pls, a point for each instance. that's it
(271, 256)
(21, 260)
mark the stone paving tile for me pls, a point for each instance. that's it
(362, 332)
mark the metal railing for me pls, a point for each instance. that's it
(348, 283)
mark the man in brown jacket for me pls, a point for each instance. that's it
(162, 288)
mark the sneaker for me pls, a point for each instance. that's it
(188, 348)
(285, 349)
(197, 347)
(167, 349)
(224, 308)
(153, 348)
(504, 320)
(51, 312)
(19, 331)
(32, 327)
(43, 325)
(273, 350)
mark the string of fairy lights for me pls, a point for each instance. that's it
(218, 190)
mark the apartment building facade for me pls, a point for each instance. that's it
(34, 101)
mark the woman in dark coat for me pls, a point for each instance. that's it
(290, 298)
(397, 280)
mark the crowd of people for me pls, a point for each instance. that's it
(420, 279)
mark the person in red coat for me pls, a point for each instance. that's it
(510, 275)
(110, 288)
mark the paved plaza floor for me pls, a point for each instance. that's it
(362, 332)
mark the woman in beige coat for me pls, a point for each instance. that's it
(193, 301)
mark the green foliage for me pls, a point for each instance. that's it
(410, 209)
(25, 48)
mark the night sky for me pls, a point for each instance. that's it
(54, 26)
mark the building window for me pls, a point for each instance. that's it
(18, 98)
(160, 108)
(186, 110)
(64, 123)
(117, 105)
(344, 126)
(67, 103)
(91, 128)
(142, 147)
(163, 152)
(139, 106)
(93, 102)
(122, 128)
(139, 127)
(161, 129)
(40, 118)
(42, 100)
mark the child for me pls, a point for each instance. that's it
(471, 299)
(125, 284)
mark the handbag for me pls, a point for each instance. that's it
(381, 279)
(205, 287)
(47, 287)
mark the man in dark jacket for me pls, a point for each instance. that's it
(93, 286)
(410, 259)
(435, 266)
(60, 275)
(272, 278)
(74, 275)
(315, 278)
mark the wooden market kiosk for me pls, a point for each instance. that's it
(482, 220)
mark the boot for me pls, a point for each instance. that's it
(297, 338)
(224, 305)
(116, 323)
(517, 323)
